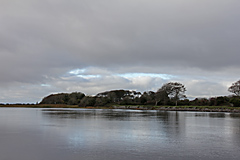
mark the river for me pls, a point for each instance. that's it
(89, 134)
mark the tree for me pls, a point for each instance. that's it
(174, 90)
(235, 88)
(161, 95)
(63, 98)
(118, 96)
(235, 101)
(148, 98)
(87, 101)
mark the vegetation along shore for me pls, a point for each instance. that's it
(170, 97)
(133, 107)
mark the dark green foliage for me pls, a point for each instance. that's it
(54, 99)
(184, 102)
(87, 101)
(219, 101)
(161, 97)
(75, 98)
(235, 101)
(200, 102)
(174, 90)
(148, 98)
(213, 101)
(143, 100)
(172, 93)
(120, 96)
(63, 98)
(102, 101)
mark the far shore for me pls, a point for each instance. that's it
(134, 107)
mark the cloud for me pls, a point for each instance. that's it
(43, 41)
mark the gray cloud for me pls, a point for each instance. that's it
(41, 41)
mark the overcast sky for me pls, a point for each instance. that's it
(91, 46)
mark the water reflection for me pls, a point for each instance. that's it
(234, 115)
(169, 124)
(117, 114)
(217, 115)
(117, 134)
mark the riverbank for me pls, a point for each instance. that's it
(184, 108)
(135, 107)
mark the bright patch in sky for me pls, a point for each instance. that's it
(89, 76)
(130, 75)
(77, 71)
(90, 73)
(45, 85)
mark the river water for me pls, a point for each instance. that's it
(88, 134)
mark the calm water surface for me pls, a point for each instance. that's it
(82, 134)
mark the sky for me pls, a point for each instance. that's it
(91, 46)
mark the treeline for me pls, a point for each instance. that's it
(127, 97)
(172, 93)
(64, 98)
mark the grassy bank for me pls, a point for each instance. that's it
(139, 107)
(200, 108)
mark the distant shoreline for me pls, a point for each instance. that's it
(134, 107)
(183, 108)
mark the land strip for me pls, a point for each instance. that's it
(136, 107)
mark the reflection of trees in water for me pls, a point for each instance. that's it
(174, 123)
(235, 115)
(198, 114)
(70, 114)
(112, 114)
(217, 115)
(235, 129)
(109, 114)
(168, 117)
(164, 124)
(177, 122)
(170, 124)
(162, 116)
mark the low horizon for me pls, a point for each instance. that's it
(37, 102)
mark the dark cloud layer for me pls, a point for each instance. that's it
(40, 41)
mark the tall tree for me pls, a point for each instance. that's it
(235, 88)
(161, 96)
(174, 90)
